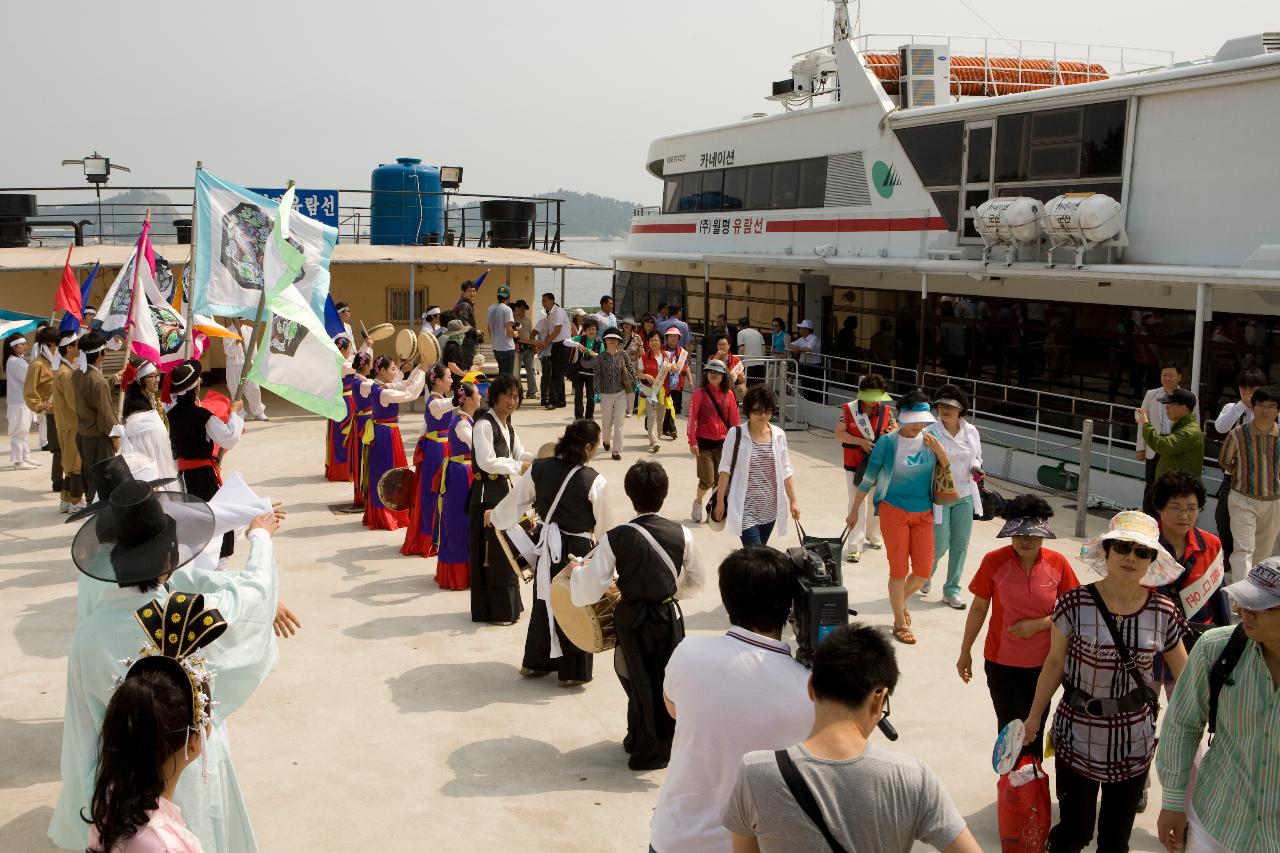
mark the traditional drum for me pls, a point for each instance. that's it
(589, 628)
(397, 487)
(381, 332)
(520, 545)
(406, 345)
(428, 349)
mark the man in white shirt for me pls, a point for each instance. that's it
(730, 695)
(430, 321)
(1170, 379)
(236, 353)
(1234, 415)
(751, 345)
(556, 327)
(501, 322)
(808, 350)
(605, 316)
(344, 314)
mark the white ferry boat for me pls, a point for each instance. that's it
(1051, 222)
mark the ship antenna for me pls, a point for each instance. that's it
(840, 28)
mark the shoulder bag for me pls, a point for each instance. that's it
(804, 797)
(1126, 657)
(712, 521)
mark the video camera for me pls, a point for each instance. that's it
(821, 603)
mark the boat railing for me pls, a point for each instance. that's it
(1040, 423)
(1116, 59)
(73, 214)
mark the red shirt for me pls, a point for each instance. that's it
(705, 410)
(1014, 596)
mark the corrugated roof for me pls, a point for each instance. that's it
(53, 257)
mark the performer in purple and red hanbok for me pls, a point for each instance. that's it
(337, 451)
(428, 457)
(453, 531)
(363, 408)
(383, 446)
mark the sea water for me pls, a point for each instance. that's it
(582, 288)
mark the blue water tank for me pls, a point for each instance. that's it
(400, 216)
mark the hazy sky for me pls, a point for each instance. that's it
(527, 96)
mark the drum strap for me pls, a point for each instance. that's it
(549, 551)
(662, 552)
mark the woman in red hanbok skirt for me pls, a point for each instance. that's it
(362, 405)
(429, 456)
(337, 448)
(383, 446)
(453, 530)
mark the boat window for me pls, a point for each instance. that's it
(690, 189)
(671, 195)
(972, 199)
(1053, 161)
(813, 182)
(1102, 149)
(1010, 143)
(935, 151)
(786, 185)
(948, 203)
(712, 186)
(735, 189)
(979, 171)
(759, 187)
(1051, 125)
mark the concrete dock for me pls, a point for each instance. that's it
(392, 722)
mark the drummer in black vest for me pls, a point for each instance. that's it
(569, 498)
(498, 456)
(656, 564)
(193, 432)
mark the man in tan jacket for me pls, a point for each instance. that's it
(37, 393)
(64, 417)
(95, 409)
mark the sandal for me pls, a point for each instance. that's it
(904, 635)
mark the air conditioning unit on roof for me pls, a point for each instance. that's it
(925, 76)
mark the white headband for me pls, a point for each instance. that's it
(16, 341)
(92, 351)
(68, 338)
(146, 370)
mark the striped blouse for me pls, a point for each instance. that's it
(1237, 794)
(761, 505)
(1253, 460)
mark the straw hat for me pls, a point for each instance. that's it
(1133, 526)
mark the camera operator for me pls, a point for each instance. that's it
(844, 792)
(729, 695)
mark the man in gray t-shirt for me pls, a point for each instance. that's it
(872, 800)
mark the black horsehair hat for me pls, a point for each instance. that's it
(106, 476)
(143, 536)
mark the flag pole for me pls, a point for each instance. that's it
(257, 327)
(138, 259)
(190, 343)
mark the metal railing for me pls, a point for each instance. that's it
(121, 222)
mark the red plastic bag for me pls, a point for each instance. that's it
(1023, 807)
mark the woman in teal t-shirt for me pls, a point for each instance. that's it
(900, 471)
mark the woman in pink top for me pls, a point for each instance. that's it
(146, 743)
(1020, 585)
(712, 411)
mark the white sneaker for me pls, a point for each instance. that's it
(928, 585)
(26, 465)
(696, 513)
(262, 417)
(78, 507)
(31, 462)
(64, 507)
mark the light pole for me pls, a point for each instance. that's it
(97, 171)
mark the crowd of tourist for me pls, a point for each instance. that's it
(762, 752)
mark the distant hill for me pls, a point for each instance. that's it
(122, 215)
(591, 215)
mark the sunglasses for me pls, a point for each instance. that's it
(1124, 548)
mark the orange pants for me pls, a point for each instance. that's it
(908, 540)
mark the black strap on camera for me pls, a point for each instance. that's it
(804, 797)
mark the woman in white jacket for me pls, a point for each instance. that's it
(144, 430)
(20, 417)
(953, 523)
(759, 487)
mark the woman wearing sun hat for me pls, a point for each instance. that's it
(1020, 584)
(953, 523)
(900, 471)
(862, 422)
(1104, 730)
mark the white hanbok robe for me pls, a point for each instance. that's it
(144, 433)
(214, 810)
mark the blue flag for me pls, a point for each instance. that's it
(88, 284)
(332, 322)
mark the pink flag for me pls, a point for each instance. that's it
(142, 329)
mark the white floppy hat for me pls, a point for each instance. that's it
(804, 324)
(915, 413)
(1133, 526)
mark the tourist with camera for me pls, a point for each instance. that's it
(837, 790)
(755, 477)
(1019, 585)
(901, 470)
(729, 695)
